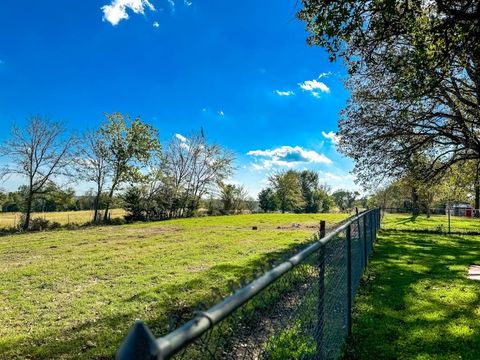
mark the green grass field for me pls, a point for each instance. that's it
(416, 301)
(10, 220)
(73, 294)
(435, 222)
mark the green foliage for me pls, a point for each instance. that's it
(134, 204)
(288, 191)
(297, 191)
(233, 198)
(126, 144)
(291, 344)
(344, 200)
(413, 78)
(268, 200)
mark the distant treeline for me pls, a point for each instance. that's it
(54, 199)
(127, 167)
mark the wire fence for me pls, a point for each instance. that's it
(300, 309)
(453, 219)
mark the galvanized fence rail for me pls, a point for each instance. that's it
(300, 309)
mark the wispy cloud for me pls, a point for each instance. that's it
(314, 87)
(181, 137)
(221, 113)
(325, 74)
(284, 93)
(117, 10)
(333, 137)
(156, 24)
(287, 156)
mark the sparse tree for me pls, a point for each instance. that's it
(233, 198)
(39, 152)
(195, 167)
(94, 167)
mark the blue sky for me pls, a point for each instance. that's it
(241, 70)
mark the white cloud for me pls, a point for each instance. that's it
(333, 137)
(325, 74)
(187, 3)
(221, 113)
(315, 87)
(284, 93)
(117, 10)
(287, 156)
(156, 24)
(182, 138)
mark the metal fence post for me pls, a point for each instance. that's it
(140, 344)
(365, 240)
(348, 237)
(321, 295)
(322, 229)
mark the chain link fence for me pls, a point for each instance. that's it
(300, 309)
(456, 218)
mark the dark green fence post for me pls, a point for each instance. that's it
(140, 344)
(365, 241)
(349, 278)
(321, 296)
(322, 229)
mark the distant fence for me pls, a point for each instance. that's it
(300, 309)
(455, 220)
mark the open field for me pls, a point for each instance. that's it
(416, 302)
(9, 220)
(74, 294)
(435, 222)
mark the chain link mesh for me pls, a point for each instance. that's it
(304, 314)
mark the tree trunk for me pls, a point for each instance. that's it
(415, 207)
(107, 207)
(96, 205)
(477, 192)
(28, 212)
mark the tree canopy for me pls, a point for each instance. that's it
(414, 76)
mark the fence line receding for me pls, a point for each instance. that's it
(300, 309)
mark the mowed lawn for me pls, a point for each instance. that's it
(435, 222)
(74, 294)
(416, 301)
(10, 220)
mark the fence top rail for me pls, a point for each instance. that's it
(174, 341)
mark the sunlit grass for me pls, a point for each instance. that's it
(434, 223)
(417, 302)
(74, 294)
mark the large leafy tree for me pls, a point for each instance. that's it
(288, 190)
(267, 199)
(414, 75)
(126, 145)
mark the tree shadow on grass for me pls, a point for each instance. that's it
(417, 301)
